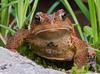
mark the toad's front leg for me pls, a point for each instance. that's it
(15, 41)
(81, 54)
(85, 54)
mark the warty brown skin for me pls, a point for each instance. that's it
(55, 39)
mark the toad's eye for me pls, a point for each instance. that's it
(63, 16)
(37, 18)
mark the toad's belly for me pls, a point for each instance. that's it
(58, 49)
(54, 54)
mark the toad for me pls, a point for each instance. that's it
(53, 37)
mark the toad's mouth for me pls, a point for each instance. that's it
(49, 34)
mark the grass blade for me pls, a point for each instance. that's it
(50, 10)
(20, 12)
(93, 20)
(32, 12)
(7, 28)
(83, 8)
(97, 3)
(26, 5)
(68, 7)
(4, 15)
(2, 38)
(7, 5)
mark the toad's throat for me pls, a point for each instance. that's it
(50, 34)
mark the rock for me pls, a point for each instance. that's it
(14, 63)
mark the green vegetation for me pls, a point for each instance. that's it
(21, 14)
(23, 11)
(4, 15)
(83, 70)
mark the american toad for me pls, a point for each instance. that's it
(54, 38)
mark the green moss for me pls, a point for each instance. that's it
(76, 70)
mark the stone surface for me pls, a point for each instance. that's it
(14, 63)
